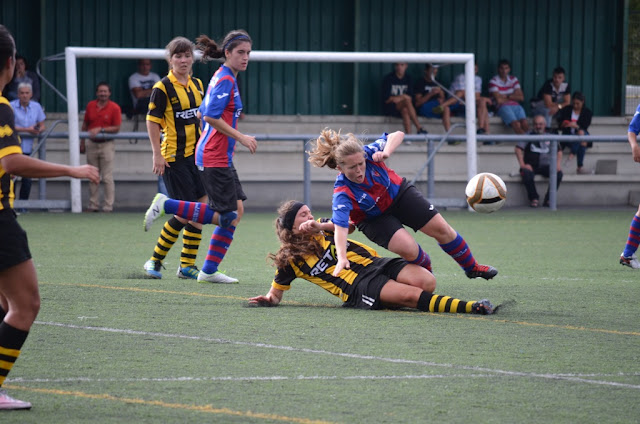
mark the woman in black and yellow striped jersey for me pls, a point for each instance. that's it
(307, 251)
(174, 129)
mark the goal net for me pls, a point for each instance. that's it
(74, 53)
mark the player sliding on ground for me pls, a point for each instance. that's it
(195, 212)
(307, 250)
(381, 203)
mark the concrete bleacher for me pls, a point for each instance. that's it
(275, 172)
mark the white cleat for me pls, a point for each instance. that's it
(9, 403)
(631, 262)
(155, 211)
(216, 277)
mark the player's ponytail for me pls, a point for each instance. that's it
(331, 148)
(211, 50)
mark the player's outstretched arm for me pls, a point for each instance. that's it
(635, 149)
(26, 166)
(272, 298)
(393, 141)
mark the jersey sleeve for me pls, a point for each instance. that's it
(341, 209)
(218, 98)
(9, 142)
(157, 104)
(634, 125)
(283, 278)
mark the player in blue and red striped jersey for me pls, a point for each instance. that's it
(628, 256)
(380, 203)
(220, 110)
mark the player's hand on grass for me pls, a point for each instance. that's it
(261, 301)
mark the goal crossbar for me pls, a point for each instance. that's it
(74, 53)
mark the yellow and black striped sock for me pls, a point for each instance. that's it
(191, 237)
(167, 239)
(430, 302)
(11, 341)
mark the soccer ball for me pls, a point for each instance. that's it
(486, 192)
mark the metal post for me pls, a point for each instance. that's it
(74, 128)
(431, 172)
(553, 176)
(307, 175)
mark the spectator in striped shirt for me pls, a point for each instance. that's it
(506, 94)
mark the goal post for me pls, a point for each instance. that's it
(74, 53)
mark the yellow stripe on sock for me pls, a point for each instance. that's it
(9, 352)
(469, 305)
(432, 303)
(443, 303)
(454, 305)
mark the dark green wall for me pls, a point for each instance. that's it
(585, 37)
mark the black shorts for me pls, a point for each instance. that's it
(14, 247)
(223, 187)
(369, 283)
(390, 109)
(183, 180)
(409, 208)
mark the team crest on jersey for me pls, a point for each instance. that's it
(174, 100)
(376, 174)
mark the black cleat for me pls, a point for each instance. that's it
(483, 307)
(485, 271)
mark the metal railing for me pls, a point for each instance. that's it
(434, 143)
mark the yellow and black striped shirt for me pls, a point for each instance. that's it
(318, 270)
(9, 145)
(174, 106)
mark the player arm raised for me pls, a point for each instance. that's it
(393, 141)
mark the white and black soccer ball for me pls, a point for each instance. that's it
(486, 192)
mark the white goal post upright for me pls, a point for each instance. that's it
(73, 53)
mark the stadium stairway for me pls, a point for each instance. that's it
(275, 172)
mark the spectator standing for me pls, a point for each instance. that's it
(102, 116)
(552, 97)
(575, 120)
(22, 74)
(141, 85)
(397, 97)
(29, 119)
(507, 96)
(429, 96)
(534, 158)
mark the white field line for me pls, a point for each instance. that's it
(547, 376)
(282, 378)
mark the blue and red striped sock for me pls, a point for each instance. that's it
(193, 211)
(634, 238)
(423, 259)
(220, 241)
(460, 252)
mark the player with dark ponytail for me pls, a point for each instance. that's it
(220, 111)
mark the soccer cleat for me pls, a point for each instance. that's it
(482, 307)
(485, 271)
(9, 403)
(631, 262)
(155, 211)
(227, 218)
(152, 268)
(216, 277)
(188, 272)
